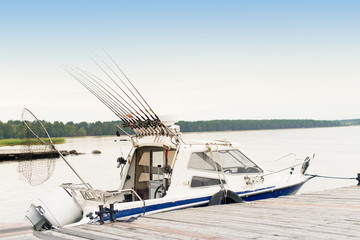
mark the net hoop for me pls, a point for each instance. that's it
(27, 126)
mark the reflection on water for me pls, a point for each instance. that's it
(336, 151)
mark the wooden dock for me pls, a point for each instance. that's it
(330, 214)
(19, 155)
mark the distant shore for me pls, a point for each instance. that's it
(270, 124)
(13, 132)
(15, 142)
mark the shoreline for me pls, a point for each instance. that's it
(272, 129)
(62, 140)
(30, 141)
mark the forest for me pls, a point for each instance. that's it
(16, 129)
(236, 125)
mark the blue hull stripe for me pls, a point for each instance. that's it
(245, 195)
(273, 193)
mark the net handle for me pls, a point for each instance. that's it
(51, 143)
(27, 126)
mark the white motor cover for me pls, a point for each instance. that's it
(59, 208)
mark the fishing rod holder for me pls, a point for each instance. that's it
(102, 211)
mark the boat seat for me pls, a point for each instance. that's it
(241, 170)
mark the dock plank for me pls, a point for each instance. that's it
(16, 231)
(329, 214)
(254, 224)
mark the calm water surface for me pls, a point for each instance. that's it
(337, 153)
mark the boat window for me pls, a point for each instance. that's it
(201, 160)
(231, 161)
(203, 181)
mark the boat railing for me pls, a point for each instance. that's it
(95, 194)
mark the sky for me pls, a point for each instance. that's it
(191, 60)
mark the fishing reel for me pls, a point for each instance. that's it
(167, 169)
(120, 161)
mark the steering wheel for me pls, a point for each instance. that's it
(160, 191)
(228, 170)
(252, 170)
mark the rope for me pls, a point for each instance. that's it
(221, 168)
(222, 185)
(222, 171)
(293, 166)
(216, 169)
(130, 219)
(276, 160)
(320, 176)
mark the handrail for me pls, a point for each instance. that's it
(137, 195)
(103, 193)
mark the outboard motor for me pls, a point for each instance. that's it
(53, 210)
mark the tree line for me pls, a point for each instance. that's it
(16, 129)
(236, 125)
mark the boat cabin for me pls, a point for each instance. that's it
(146, 173)
(150, 170)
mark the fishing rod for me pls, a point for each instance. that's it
(162, 127)
(151, 111)
(93, 76)
(136, 113)
(104, 98)
(145, 122)
(155, 121)
(127, 122)
(117, 112)
(108, 97)
(117, 85)
(158, 124)
(111, 97)
(114, 110)
(126, 87)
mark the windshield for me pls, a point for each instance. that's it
(229, 161)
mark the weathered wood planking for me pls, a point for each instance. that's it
(16, 231)
(330, 214)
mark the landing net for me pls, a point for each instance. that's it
(36, 144)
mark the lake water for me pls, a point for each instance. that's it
(337, 153)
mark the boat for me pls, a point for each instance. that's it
(163, 171)
(164, 175)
